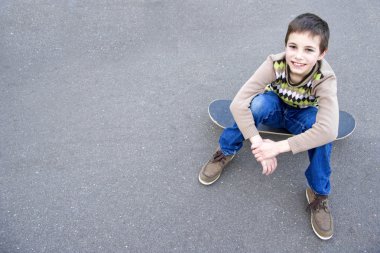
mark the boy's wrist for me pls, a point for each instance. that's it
(256, 139)
(283, 146)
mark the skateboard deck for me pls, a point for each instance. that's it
(220, 114)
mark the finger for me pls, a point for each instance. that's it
(270, 168)
(274, 166)
(264, 168)
(267, 171)
(256, 153)
(259, 159)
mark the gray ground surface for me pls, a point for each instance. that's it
(104, 126)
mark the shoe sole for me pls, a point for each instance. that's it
(311, 221)
(208, 183)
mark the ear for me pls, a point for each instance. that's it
(320, 57)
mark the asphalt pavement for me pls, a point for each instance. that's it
(104, 127)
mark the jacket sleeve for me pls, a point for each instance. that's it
(240, 106)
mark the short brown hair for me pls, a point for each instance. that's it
(313, 24)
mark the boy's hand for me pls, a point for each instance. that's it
(269, 166)
(266, 150)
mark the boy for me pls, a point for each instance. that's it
(295, 90)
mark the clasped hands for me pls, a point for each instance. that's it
(265, 152)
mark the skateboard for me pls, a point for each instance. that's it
(220, 114)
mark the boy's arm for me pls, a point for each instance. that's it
(326, 126)
(255, 85)
(269, 165)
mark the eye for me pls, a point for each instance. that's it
(292, 46)
(309, 50)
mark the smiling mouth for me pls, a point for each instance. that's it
(298, 64)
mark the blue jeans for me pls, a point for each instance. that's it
(269, 109)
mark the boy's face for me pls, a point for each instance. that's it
(301, 54)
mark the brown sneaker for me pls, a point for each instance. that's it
(211, 171)
(321, 218)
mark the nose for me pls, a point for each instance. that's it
(298, 55)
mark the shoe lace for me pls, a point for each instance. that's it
(219, 157)
(320, 202)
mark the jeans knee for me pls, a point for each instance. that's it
(257, 104)
(262, 101)
(308, 123)
(263, 105)
(311, 121)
